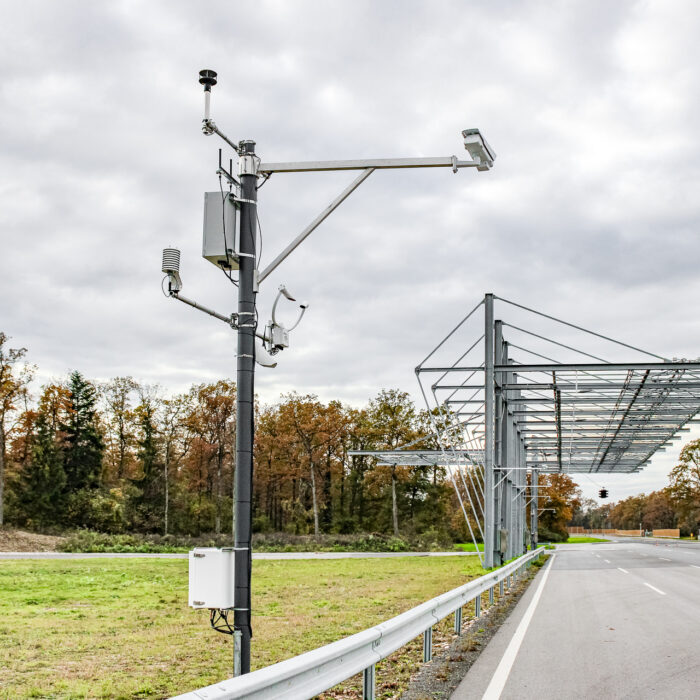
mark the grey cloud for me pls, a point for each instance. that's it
(591, 212)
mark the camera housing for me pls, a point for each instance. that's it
(479, 149)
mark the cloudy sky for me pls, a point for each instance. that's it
(591, 212)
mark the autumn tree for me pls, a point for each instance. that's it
(117, 396)
(175, 442)
(14, 379)
(628, 513)
(684, 489)
(558, 497)
(211, 423)
(305, 414)
(360, 437)
(392, 415)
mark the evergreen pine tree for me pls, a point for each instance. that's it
(43, 479)
(83, 445)
(146, 500)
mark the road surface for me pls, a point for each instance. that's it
(256, 555)
(601, 621)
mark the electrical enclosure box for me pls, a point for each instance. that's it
(220, 240)
(211, 578)
(279, 337)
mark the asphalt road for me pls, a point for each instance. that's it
(617, 620)
(256, 555)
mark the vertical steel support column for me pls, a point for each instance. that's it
(458, 621)
(489, 511)
(507, 453)
(521, 481)
(523, 494)
(368, 682)
(428, 645)
(245, 376)
(491, 595)
(534, 502)
(477, 606)
(515, 475)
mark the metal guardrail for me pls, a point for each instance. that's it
(308, 674)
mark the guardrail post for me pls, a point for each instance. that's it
(368, 682)
(500, 588)
(477, 606)
(491, 594)
(428, 645)
(458, 621)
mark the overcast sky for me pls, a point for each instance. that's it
(591, 212)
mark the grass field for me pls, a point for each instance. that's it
(585, 540)
(468, 547)
(115, 628)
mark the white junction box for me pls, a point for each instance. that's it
(211, 578)
(220, 223)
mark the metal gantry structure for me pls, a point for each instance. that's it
(537, 401)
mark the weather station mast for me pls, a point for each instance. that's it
(220, 579)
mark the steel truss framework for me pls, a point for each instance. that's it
(532, 406)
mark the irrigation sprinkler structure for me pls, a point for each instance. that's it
(540, 400)
(231, 232)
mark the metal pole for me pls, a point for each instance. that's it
(534, 476)
(245, 376)
(236, 652)
(523, 495)
(368, 683)
(504, 460)
(489, 535)
(428, 645)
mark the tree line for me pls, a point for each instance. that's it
(122, 456)
(674, 506)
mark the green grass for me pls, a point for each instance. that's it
(585, 540)
(468, 547)
(115, 628)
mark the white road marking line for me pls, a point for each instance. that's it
(624, 571)
(500, 676)
(607, 561)
(653, 588)
(695, 566)
(664, 559)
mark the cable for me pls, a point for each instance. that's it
(261, 238)
(218, 619)
(266, 178)
(223, 223)
(585, 330)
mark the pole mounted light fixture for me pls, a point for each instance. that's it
(230, 238)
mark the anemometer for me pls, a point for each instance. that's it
(221, 246)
